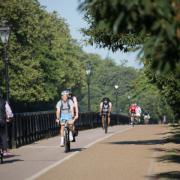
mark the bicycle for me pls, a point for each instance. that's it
(1, 156)
(66, 137)
(132, 117)
(105, 116)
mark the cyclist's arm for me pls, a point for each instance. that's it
(130, 110)
(110, 107)
(72, 109)
(57, 114)
(76, 107)
(58, 105)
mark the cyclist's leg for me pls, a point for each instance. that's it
(62, 134)
(109, 119)
(102, 118)
(4, 142)
(132, 118)
(71, 128)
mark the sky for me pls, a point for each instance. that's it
(74, 18)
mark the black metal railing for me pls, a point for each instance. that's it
(27, 128)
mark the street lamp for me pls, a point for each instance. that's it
(129, 99)
(4, 34)
(116, 92)
(88, 72)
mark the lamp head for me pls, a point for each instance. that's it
(4, 32)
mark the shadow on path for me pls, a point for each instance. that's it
(167, 175)
(174, 150)
(77, 149)
(172, 155)
(9, 161)
(140, 142)
(175, 138)
(170, 158)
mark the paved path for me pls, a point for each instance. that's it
(126, 155)
(31, 159)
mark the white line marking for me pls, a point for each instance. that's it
(73, 154)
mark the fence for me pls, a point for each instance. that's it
(27, 128)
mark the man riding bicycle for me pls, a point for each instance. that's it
(65, 112)
(132, 112)
(76, 111)
(105, 109)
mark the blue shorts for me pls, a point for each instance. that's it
(66, 117)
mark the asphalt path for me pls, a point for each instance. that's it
(128, 154)
(34, 160)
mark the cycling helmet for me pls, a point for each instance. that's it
(65, 92)
(105, 100)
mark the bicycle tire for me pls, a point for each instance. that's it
(1, 158)
(105, 124)
(66, 141)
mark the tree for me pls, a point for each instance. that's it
(118, 24)
(43, 56)
(152, 26)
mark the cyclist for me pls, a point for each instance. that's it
(132, 112)
(138, 113)
(76, 111)
(105, 108)
(146, 117)
(65, 111)
(75, 102)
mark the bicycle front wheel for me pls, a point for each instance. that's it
(66, 141)
(1, 157)
(105, 124)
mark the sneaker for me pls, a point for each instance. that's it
(62, 142)
(71, 136)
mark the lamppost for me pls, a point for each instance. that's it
(4, 33)
(88, 72)
(129, 100)
(116, 92)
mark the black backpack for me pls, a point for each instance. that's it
(2, 113)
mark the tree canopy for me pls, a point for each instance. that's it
(152, 26)
(155, 25)
(43, 57)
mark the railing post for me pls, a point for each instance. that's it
(13, 135)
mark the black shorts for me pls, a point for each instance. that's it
(106, 114)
